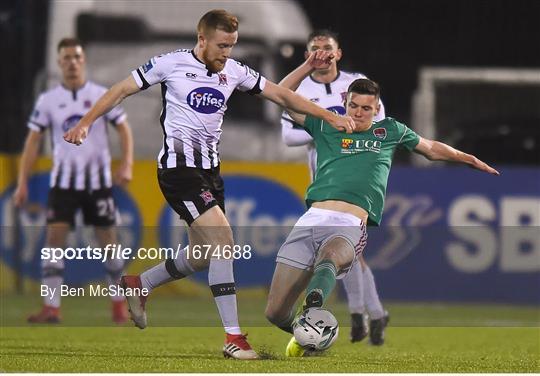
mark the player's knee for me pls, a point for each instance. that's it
(199, 264)
(328, 253)
(334, 255)
(52, 262)
(114, 265)
(339, 251)
(56, 234)
(106, 235)
(218, 238)
(224, 236)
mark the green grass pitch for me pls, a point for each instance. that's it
(184, 336)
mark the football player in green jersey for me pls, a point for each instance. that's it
(346, 194)
(327, 87)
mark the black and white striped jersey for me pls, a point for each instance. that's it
(194, 102)
(84, 167)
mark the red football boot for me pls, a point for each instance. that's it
(237, 347)
(47, 315)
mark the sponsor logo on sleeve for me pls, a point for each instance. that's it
(149, 65)
(250, 71)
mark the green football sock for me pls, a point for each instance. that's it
(324, 278)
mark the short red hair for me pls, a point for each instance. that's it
(217, 19)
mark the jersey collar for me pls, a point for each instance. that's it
(74, 92)
(196, 58)
(322, 83)
(79, 89)
(208, 73)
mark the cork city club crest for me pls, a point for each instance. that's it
(380, 133)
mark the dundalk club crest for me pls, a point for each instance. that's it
(222, 79)
(207, 197)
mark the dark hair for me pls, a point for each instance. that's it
(217, 19)
(68, 42)
(323, 33)
(365, 86)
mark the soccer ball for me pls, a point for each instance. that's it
(316, 329)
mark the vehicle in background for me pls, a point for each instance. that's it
(120, 36)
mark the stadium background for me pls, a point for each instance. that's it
(497, 119)
(458, 252)
(449, 234)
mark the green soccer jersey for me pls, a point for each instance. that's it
(354, 167)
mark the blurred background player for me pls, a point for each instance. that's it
(331, 235)
(196, 85)
(81, 176)
(328, 87)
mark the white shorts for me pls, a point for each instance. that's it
(314, 229)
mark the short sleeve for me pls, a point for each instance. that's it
(286, 120)
(293, 134)
(313, 125)
(39, 118)
(116, 116)
(153, 71)
(249, 80)
(408, 139)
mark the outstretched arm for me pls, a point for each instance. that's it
(438, 151)
(114, 96)
(318, 59)
(297, 105)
